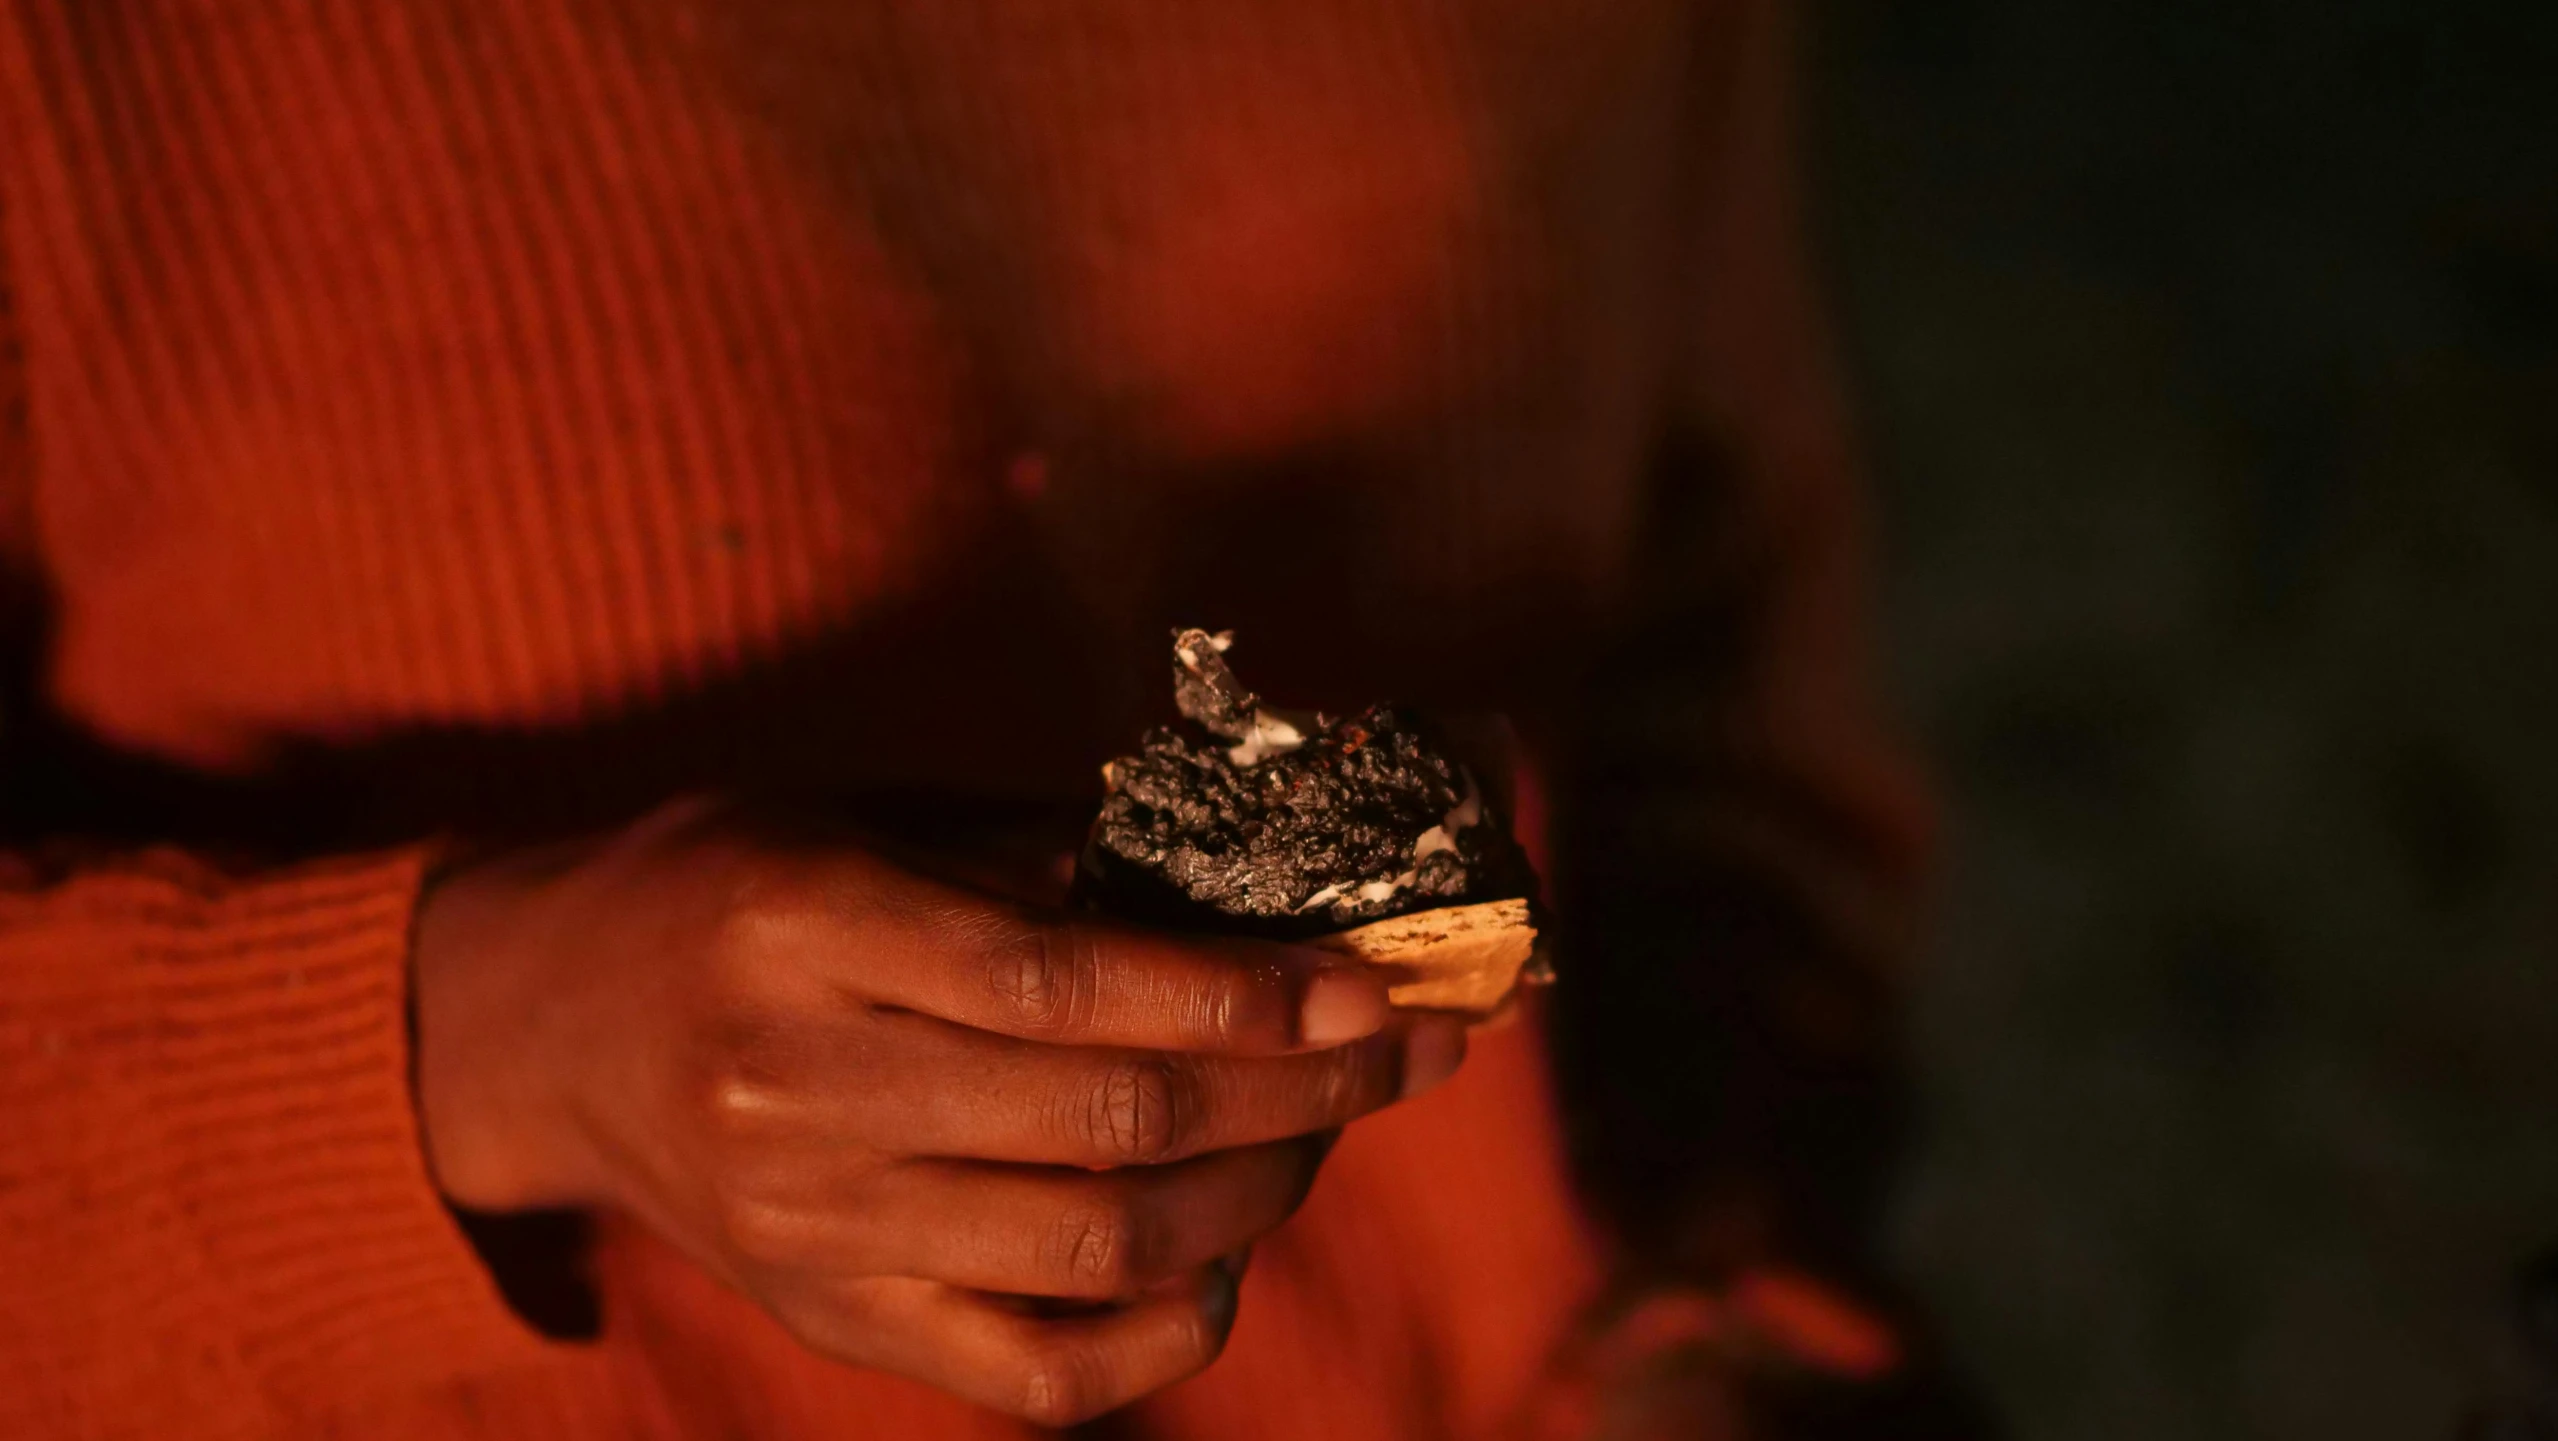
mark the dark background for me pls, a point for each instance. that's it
(2207, 354)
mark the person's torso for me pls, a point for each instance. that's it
(866, 388)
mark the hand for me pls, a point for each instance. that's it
(888, 1108)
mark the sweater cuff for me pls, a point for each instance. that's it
(287, 1121)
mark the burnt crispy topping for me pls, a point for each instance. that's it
(1305, 825)
(1205, 688)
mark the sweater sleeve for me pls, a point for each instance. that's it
(213, 1191)
(214, 1203)
(1739, 836)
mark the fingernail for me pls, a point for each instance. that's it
(1341, 1006)
(1432, 1051)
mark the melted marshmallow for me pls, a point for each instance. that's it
(1270, 736)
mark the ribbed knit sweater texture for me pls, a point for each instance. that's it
(427, 418)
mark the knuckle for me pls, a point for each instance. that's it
(1040, 974)
(1101, 1248)
(758, 1230)
(1021, 974)
(757, 917)
(736, 1107)
(731, 1108)
(756, 1076)
(823, 1325)
(1141, 1113)
(758, 943)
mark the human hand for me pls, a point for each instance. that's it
(890, 1109)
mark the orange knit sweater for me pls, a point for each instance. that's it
(424, 418)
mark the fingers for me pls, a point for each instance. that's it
(1077, 980)
(1038, 1231)
(982, 1097)
(1050, 1371)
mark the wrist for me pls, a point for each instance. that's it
(487, 1110)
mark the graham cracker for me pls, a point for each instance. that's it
(1455, 958)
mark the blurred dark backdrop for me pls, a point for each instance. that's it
(2208, 358)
